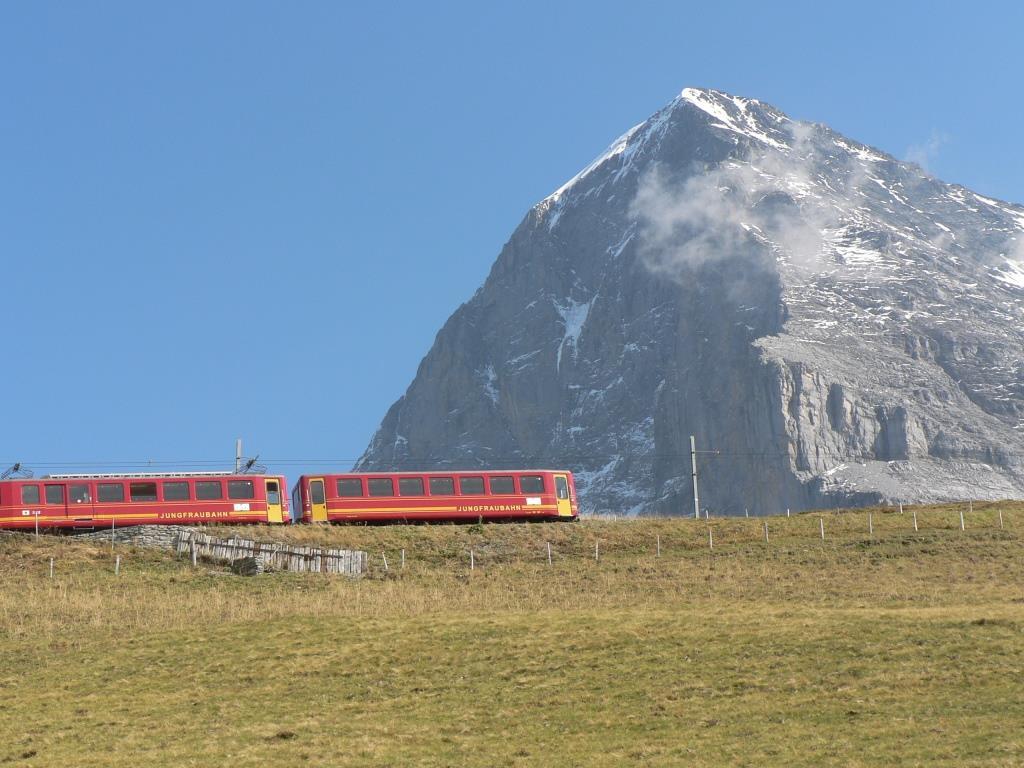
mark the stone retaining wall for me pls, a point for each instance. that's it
(198, 544)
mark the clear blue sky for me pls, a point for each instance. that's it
(250, 219)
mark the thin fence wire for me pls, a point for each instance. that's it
(721, 536)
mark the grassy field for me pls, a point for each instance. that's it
(888, 647)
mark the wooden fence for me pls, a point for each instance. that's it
(279, 557)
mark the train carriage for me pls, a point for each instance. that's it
(425, 496)
(99, 501)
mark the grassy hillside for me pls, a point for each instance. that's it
(881, 648)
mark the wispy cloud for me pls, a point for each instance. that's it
(924, 154)
(762, 203)
(1016, 249)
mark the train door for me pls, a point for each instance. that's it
(80, 502)
(317, 500)
(274, 514)
(562, 496)
(56, 502)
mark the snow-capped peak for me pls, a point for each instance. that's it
(744, 117)
(736, 114)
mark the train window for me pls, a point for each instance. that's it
(410, 486)
(241, 489)
(350, 486)
(442, 486)
(79, 493)
(175, 490)
(209, 489)
(30, 494)
(55, 494)
(531, 483)
(110, 492)
(561, 487)
(502, 485)
(381, 486)
(472, 486)
(142, 491)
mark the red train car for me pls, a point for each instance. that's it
(98, 501)
(505, 494)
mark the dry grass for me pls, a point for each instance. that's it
(887, 648)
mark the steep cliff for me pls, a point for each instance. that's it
(839, 326)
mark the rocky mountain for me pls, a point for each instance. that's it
(839, 327)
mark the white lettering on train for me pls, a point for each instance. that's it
(186, 515)
(490, 508)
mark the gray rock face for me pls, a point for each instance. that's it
(839, 326)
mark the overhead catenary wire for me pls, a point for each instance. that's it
(411, 463)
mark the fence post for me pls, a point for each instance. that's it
(970, 505)
(472, 561)
(192, 544)
(549, 553)
(787, 511)
(915, 519)
(36, 515)
(384, 557)
(962, 528)
(901, 507)
(51, 567)
(117, 566)
(765, 531)
(746, 512)
(871, 525)
(711, 540)
(821, 525)
(403, 559)
(597, 550)
(112, 521)
(1000, 519)
(658, 551)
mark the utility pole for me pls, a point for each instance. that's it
(238, 455)
(693, 465)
